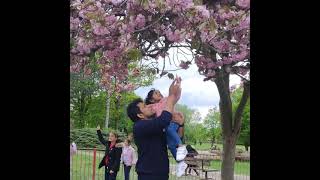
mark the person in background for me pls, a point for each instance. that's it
(127, 158)
(111, 159)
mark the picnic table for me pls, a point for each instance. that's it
(202, 163)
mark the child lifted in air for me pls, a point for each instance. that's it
(157, 102)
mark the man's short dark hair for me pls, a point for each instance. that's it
(149, 97)
(133, 110)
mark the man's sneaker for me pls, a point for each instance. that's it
(181, 167)
(181, 153)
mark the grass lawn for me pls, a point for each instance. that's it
(82, 167)
(240, 168)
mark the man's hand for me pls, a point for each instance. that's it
(111, 172)
(98, 127)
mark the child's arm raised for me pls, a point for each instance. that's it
(101, 139)
(174, 91)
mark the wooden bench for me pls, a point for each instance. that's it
(205, 167)
(206, 172)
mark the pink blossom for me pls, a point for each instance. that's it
(222, 45)
(184, 65)
(179, 5)
(243, 3)
(140, 21)
(219, 63)
(111, 19)
(100, 30)
(244, 24)
(74, 23)
(116, 2)
(211, 65)
(176, 36)
(203, 12)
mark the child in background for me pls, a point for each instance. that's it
(127, 158)
(73, 151)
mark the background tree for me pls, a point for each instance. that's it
(244, 137)
(213, 125)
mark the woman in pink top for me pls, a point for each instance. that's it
(128, 158)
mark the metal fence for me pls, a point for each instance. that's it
(84, 166)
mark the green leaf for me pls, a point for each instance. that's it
(202, 25)
(72, 43)
(145, 3)
(197, 2)
(195, 44)
(212, 24)
(159, 3)
(234, 22)
(191, 13)
(134, 54)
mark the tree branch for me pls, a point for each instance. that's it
(180, 46)
(243, 78)
(139, 30)
(182, 53)
(239, 111)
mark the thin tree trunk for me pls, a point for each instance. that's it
(118, 111)
(107, 109)
(81, 111)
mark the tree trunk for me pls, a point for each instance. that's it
(228, 158)
(225, 104)
(230, 125)
(107, 110)
(81, 111)
(229, 148)
(117, 103)
(212, 142)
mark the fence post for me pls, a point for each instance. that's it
(94, 164)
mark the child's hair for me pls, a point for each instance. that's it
(149, 97)
(128, 141)
(115, 134)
